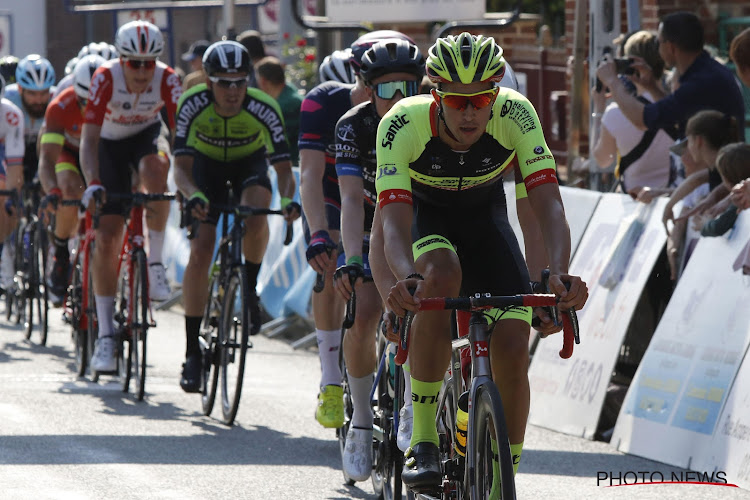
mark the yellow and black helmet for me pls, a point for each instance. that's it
(465, 58)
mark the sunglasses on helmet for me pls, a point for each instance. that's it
(459, 101)
(228, 83)
(387, 90)
(137, 63)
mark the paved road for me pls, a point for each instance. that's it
(67, 438)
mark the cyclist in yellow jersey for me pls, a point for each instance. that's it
(444, 220)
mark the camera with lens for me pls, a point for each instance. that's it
(624, 66)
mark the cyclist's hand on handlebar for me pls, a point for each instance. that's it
(347, 277)
(319, 251)
(390, 327)
(93, 191)
(401, 300)
(197, 205)
(547, 325)
(49, 203)
(574, 298)
(291, 209)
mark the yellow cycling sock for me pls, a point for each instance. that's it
(424, 396)
(515, 452)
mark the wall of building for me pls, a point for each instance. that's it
(28, 22)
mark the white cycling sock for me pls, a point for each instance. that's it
(407, 383)
(105, 315)
(155, 246)
(360, 388)
(329, 345)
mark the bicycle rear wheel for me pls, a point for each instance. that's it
(31, 277)
(92, 327)
(74, 306)
(488, 421)
(124, 363)
(140, 323)
(234, 332)
(342, 431)
(389, 461)
(210, 350)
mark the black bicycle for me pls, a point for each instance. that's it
(29, 291)
(225, 328)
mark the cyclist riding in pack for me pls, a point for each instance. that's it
(121, 133)
(101, 49)
(321, 203)
(59, 166)
(444, 217)
(207, 156)
(391, 70)
(337, 67)
(11, 139)
(32, 92)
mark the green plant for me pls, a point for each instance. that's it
(301, 68)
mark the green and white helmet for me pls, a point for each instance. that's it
(465, 58)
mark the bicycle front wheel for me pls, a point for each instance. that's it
(488, 424)
(234, 332)
(209, 342)
(74, 306)
(92, 327)
(31, 277)
(124, 363)
(140, 323)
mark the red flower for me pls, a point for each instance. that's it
(309, 57)
(286, 36)
(301, 42)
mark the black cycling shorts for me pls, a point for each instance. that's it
(117, 161)
(211, 177)
(491, 259)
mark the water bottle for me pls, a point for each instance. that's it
(27, 246)
(462, 422)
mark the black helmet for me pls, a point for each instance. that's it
(226, 56)
(8, 65)
(361, 44)
(391, 56)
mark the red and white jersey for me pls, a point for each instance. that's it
(122, 113)
(11, 132)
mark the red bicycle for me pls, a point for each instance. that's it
(79, 308)
(133, 315)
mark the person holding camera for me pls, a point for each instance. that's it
(704, 83)
(643, 155)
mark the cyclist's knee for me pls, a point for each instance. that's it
(443, 276)
(510, 346)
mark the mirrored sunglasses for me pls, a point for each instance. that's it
(228, 82)
(459, 101)
(137, 63)
(387, 90)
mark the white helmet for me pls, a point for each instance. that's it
(70, 65)
(139, 39)
(83, 72)
(104, 49)
(337, 67)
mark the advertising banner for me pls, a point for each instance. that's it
(687, 406)
(567, 395)
(403, 11)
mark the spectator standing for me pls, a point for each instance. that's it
(253, 42)
(643, 155)
(194, 56)
(271, 80)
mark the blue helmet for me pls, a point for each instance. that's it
(35, 73)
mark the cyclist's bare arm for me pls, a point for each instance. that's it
(89, 151)
(312, 167)
(183, 178)
(548, 208)
(381, 273)
(286, 185)
(48, 155)
(536, 257)
(352, 215)
(183, 175)
(397, 220)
